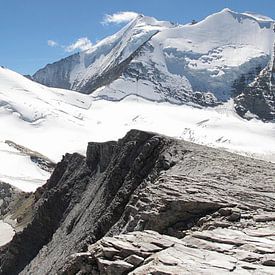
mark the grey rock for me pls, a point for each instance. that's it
(194, 254)
(264, 217)
(134, 260)
(258, 98)
(96, 204)
(235, 216)
(225, 211)
(115, 267)
(269, 260)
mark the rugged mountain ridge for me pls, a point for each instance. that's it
(99, 66)
(257, 99)
(183, 64)
(146, 181)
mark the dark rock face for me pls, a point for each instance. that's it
(53, 202)
(99, 155)
(7, 194)
(105, 195)
(258, 97)
(59, 73)
(142, 182)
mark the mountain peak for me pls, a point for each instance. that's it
(262, 20)
(226, 10)
(174, 61)
(142, 21)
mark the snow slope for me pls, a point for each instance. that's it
(78, 70)
(7, 233)
(54, 121)
(205, 57)
(24, 107)
(176, 63)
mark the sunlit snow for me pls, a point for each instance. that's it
(54, 121)
(7, 233)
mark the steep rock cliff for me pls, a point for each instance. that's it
(142, 182)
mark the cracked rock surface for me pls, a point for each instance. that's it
(215, 251)
(149, 204)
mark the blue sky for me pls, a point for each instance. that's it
(29, 29)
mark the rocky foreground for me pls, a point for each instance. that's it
(148, 204)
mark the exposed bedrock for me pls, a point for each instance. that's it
(177, 197)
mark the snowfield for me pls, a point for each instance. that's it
(54, 121)
(7, 233)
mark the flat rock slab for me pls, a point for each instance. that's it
(184, 256)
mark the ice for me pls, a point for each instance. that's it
(7, 233)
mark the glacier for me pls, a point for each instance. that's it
(152, 75)
(55, 121)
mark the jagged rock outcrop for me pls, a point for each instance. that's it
(191, 198)
(42, 161)
(15, 206)
(257, 99)
(7, 195)
(60, 75)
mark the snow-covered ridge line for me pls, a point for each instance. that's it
(262, 20)
(175, 63)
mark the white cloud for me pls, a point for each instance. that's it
(119, 17)
(81, 44)
(52, 43)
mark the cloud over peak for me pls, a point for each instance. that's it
(81, 44)
(52, 43)
(84, 43)
(119, 17)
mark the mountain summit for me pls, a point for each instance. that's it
(203, 63)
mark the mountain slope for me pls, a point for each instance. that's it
(80, 71)
(191, 64)
(36, 117)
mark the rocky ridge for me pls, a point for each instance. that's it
(149, 204)
(257, 98)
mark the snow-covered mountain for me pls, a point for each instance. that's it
(38, 118)
(203, 63)
(53, 121)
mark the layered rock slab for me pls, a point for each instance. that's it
(145, 182)
(148, 252)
